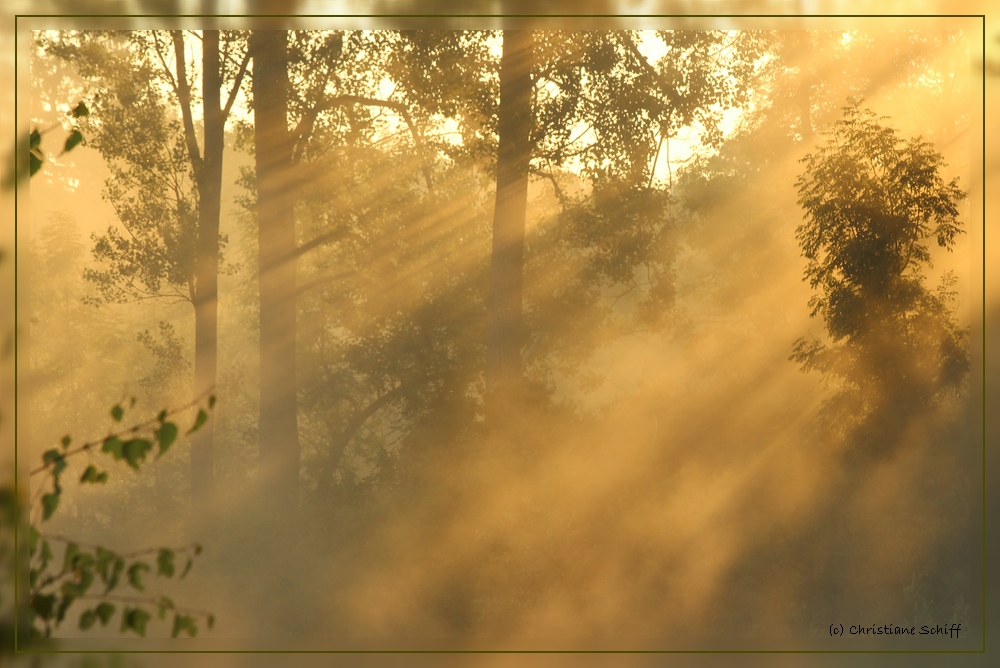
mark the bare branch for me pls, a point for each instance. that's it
(163, 61)
(309, 118)
(184, 95)
(340, 445)
(236, 85)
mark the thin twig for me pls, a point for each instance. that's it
(131, 430)
(130, 555)
(147, 600)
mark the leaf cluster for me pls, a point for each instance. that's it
(54, 587)
(91, 574)
(36, 154)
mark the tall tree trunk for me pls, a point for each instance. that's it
(209, 179)
(505, 332)
(279, 440)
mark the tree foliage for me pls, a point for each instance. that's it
(873, 202)
(151, 252)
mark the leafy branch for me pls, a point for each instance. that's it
(52, 591)
(165, 435)
(72, 141)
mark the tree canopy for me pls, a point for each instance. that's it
(873, 202)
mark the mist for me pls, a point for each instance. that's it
(500, 375)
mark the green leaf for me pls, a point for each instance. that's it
(46, 554)
(166, 435)
(80, 110)
(135, 574)
(162, 416)
(113, 445)
(93, 475)
(67, 600)
(199, 421)
(165, 562)
(86, 577)
(49, 504)
(44, 605)
(84, 560)
(65, 441)
(72, 550)
(105, 558)
(76, 589)
(104, 612)
(34, 139)
(87, 619)
(116, 574)
(54, 455)
(34, 161)
(117, 413)
(187, 566)
(211, 401)
(184, 623)
(72, 141)
(134, 451)
(163, 605)
(134, 619)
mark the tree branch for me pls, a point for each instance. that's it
(339, 446)
(328, 278)
(309, 118)
(662, 83)
(301, 250)
(236, 84)
(184, 95)
(135, 429)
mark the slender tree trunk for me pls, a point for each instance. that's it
(505, 332)
(279, 441)
(207, 265)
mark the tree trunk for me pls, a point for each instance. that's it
(279, 441)
(207, 265)
(505, 332)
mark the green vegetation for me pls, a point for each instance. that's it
(86, 568)
(53, 591)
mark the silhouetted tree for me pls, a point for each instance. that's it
(872, 202)
(600, 80)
